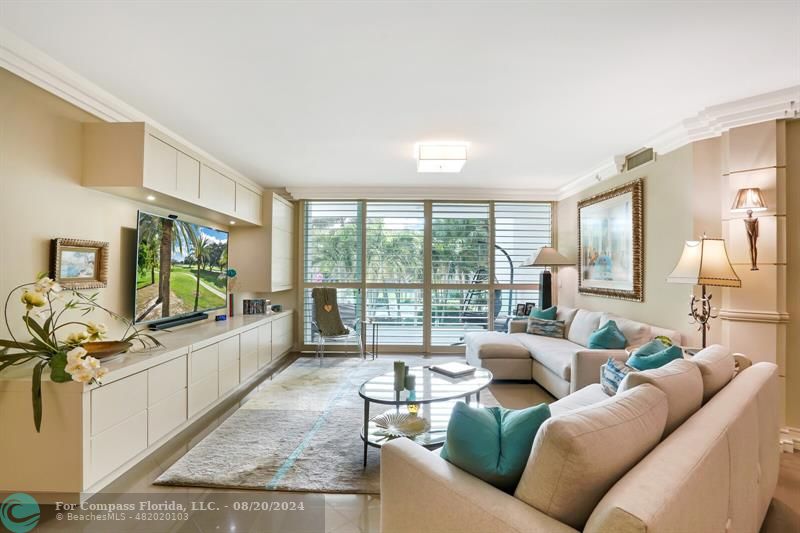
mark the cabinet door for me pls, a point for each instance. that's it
(282, 245)
(188, 179)
(203, 362)
(264, 345)
(217, 191)
(248, 204)
(165, 416)
(160, 169)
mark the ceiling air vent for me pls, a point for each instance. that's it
(639, 158)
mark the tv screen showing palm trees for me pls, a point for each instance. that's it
(180, 268)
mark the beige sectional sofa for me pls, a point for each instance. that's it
(559, 365)
(689, 448)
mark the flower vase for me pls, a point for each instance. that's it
(230, 305)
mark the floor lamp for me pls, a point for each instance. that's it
(546, 257)
(704, 262)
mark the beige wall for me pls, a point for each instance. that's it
(41, 196)
(793, 281)
(670, 203)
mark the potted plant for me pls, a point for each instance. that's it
(47, 314)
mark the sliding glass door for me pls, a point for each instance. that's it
(426, 272)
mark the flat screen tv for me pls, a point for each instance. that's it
(180, 268)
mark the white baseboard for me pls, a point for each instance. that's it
(790, 439)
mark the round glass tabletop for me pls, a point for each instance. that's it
(430, 387)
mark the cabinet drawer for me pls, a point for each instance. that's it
(203, 393)
(248, 342)
(248, 366)
(282, 327)
(165, 416)
(117, 401)
(229, 352)
(203, 362)
(115, 446)
(228, 379)
(217, 191)
(165, 380)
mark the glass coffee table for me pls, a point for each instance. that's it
(433, 395)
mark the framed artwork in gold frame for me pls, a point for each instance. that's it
(78, 263)
(611, 243)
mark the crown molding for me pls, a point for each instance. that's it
(419, 193)
(710, 122)
(31, 64)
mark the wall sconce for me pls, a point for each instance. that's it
(750, 200)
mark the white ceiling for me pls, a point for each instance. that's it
(337, 93)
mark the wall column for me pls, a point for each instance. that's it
(754, 317)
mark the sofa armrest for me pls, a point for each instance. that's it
(586, 366)
(421, 492)
(517, 326)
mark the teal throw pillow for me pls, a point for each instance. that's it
(493, 443)
(652, 347)
(546, 328)
(544, 314)
(609, 337)
(656, 360)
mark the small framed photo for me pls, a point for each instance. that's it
(520, 309)
(529, 307)
(79, 264)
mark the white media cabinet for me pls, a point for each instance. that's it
(91, 434)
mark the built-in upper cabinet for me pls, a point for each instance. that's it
(134, 160)
(264, 257)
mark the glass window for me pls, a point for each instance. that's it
(520, 229)
(460, 243)
(395, 240)
(332, 242)
(454, 312)
(399, 314)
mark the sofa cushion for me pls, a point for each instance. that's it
(546, 328)
(493, 443)
(680, 380)
(656, 360)
(673, 335)
(544, 314)
(650, 348)
(582, 325)
(636, 333)
(553, 354)
(589, 395)
(495, 345)
(577, 457)
(717, 366)
(607, 337)
(566, 314)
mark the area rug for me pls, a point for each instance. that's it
(299, 432)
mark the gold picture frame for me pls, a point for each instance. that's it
(78, 263)
(611, 243)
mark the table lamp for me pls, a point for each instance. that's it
(704, 262)
(546, 257)
(750, 200)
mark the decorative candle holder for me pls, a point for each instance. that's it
(399, 375)
(411, 382)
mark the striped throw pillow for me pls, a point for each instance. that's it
(611, 375)
(546, 328)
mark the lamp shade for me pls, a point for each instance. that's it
(705, 262)
(749, 200)
(547, 256)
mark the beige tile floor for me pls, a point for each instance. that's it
(357, 513)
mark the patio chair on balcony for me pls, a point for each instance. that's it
(326, 322)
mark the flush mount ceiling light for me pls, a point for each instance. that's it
(441, 157)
